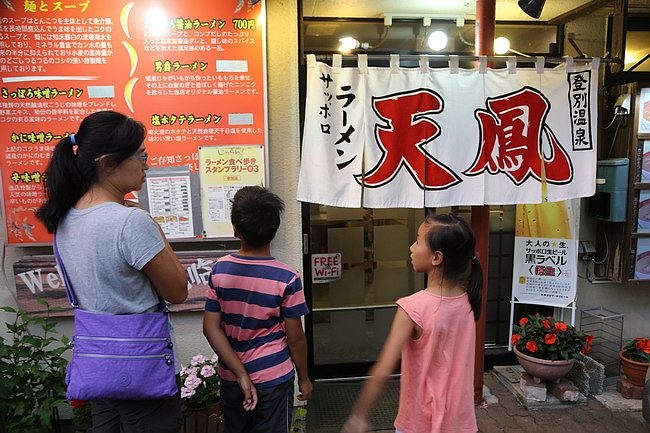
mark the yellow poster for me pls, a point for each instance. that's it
(545, 265)
(223, 170)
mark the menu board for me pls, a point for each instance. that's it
(170, 205)
(192, 72)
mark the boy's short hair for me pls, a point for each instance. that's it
(255, 215)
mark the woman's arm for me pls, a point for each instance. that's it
(400, 331)
(167, 274)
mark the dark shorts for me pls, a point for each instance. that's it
(271, 415)
(137, 416)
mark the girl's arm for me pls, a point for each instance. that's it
(400, 331)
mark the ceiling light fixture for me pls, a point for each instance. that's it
(532, 7)
(501, 45)
(437, 40)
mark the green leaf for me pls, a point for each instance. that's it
(32, 372)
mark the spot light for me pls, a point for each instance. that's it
(437, 40)
(532, 7)
(349, 43)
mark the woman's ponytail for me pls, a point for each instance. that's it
(73, 168)
(64, 184)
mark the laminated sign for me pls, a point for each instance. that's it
(546, 253)
(325, 267)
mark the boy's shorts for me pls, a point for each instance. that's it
(271, 415)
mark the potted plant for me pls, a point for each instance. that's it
(200, 395)
(635, 358)
(81, 416)
(547, 348)
(32, 371)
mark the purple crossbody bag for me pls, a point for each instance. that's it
(119, 356)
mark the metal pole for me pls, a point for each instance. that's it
(485, 23)
(445, 57)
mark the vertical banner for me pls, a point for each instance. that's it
(193, 72)
(223, 170)
(338, 94)
(545, 269)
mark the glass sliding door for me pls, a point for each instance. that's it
(351, 316)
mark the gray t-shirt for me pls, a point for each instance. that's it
(104, 249)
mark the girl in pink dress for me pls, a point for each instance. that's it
(434, 332)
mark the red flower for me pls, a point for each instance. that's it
(637, 349)
(77, 404)
(560, 326)
(550, 339)
(531, 346)
(546, 324)
(585, 350)
(523, 321)
(589, 339)
(643, 344)
(515, 339)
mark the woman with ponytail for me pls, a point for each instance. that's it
(115, 255)
(434, 332)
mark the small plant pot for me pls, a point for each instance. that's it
(634, 371)
(203, 420)
(544, 369)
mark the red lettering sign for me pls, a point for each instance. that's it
(511, 140)
(407, 127)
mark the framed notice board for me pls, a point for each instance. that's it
(193, 72)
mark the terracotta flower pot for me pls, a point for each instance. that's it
(544, 369)
(634, 371)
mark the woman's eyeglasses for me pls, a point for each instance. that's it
(140, 156)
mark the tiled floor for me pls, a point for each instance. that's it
(502, 413)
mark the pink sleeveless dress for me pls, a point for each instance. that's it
(437, 383)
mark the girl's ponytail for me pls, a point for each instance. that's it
(475, 287)
(456, 241)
